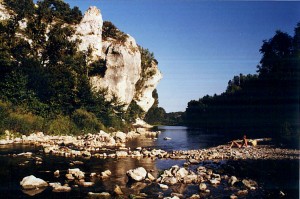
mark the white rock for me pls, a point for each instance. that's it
(137, 174)
(70, 176)
(214, 181)
(202, 186)
(150, 177)
(182, 172)
(31, 182)
(106, 174)
(103, 195)
(120, 136)
(143, 96)
(121, 154)
(76, 173)
(58, 188)
(123, 62)
(87, 184)
(163, 186)
(232, 180)
(89, 31)
(56, 173)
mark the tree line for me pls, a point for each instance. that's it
(266, 103)
(262, 104)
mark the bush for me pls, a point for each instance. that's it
(109, 30)
(3, 115)
(86, 121)
(24, 123)
(62, 125)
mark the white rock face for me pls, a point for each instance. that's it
(123, 62)
(143, 96)
(89, 31)
(31, 182)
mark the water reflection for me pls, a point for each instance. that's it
(182, 139)
(187, 139)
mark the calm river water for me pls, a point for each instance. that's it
(13, 169)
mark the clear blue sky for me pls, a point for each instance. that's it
(200, 45)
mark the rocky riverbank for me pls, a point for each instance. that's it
(204, 173)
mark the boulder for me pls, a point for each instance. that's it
(106, 174)
(31, 182)
(56, 173)
(70, 176)
(232, 180)
(120, 137)
(58, 188)
(170, 180)
(202, 186)
(121, 154)
(117, 190)
(137, 174)
(76, 173)
(181, 173)
(163, 186)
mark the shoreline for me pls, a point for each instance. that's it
(203, 172)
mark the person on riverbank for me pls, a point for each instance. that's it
(244, 143)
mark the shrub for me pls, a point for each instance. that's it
(109, 30)
(62, 125)
(24, 123)
(86, 121)
(98, 68)
(3, 115)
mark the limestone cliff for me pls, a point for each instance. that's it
(89, 31)
(124, 71)
(123, 63)
(148, 83)
(124, 76)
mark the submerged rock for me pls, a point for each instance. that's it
(103, 195)
(33, 192)
(57, 187)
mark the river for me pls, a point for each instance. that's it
(13, 169)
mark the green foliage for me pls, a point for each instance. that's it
(109, 30)
(58, 10)
(266, 103)
(134, 111)
(48, 80)
(86, 122)
(156, 116)
(147, 60)
(23, 8)
(25, 123)
(97, 68)
(62, 125)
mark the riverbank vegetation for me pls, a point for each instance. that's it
(266, 103)
(262, 104)
(44, 80)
